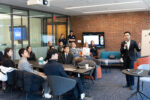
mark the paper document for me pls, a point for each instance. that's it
(69, 69)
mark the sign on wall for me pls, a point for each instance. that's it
(145, 45)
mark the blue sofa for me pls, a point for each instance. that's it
(105, 54)
(105, 60)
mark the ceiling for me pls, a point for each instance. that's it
(84, 7)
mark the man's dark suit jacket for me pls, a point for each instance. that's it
(63, 60)
(131, 53)
(54, 68)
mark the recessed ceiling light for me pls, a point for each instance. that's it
(114, 10)
(78, 7)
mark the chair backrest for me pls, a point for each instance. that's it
(105, 54)
(32, 82)
(19, 78)
(60, 85)
(144, 67)
(142, 60)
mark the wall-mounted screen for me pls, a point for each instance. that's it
(19, 33)
(97, 37)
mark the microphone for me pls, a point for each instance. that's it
(125, 47)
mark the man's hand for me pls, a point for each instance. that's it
(42, 74)
(125, 45)
(139, 45)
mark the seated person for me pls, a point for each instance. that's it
(49, 44)
(86, 50)
(66, 57)
(1, 54)
(52, 47)
(93, 49)
(60, 47)
(7, 62)
(55, 68)
(75, 51)
(31, 54)
(26, 66)
(6, 58)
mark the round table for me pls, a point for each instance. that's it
(137, 73)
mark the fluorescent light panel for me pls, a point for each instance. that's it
(114, 10)
(78, 7)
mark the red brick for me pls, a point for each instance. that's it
(114, 25)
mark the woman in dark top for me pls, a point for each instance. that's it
(6, 59)
(32, 55)
(7, 62)
(62, 39)
(93, 49)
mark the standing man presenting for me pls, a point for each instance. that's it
(128, 52)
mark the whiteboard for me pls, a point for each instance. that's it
(145, 44)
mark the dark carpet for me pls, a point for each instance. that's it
(107, 88)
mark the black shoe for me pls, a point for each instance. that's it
(132, 87)
(126, 86)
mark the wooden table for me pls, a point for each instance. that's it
(67, 67)
(74, 69)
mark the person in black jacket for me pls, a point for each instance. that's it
(6, 59)
(66, 57)
(71, 37)
(31, 54)
(1, 54)
(55, 68)
(7, 62)
(128, 52)
(93, 49)
(60, 47)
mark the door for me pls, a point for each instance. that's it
(58, 29)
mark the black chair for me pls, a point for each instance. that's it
(1, 54)
(28, 82)
(60, 85)
(32, 83)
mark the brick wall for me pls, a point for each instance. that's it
(113, 25)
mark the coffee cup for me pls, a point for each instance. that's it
(86, 66)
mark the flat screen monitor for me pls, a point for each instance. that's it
(97, 37)
(19, 33)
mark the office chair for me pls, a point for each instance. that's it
(60, 85)
(144, 79)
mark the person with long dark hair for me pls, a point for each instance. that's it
(6, 59)
(7, 62)
(31, 54)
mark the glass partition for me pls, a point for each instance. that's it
(38, 33)
(5, 23)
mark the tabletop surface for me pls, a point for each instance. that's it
(136, 72)
(67, 67)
